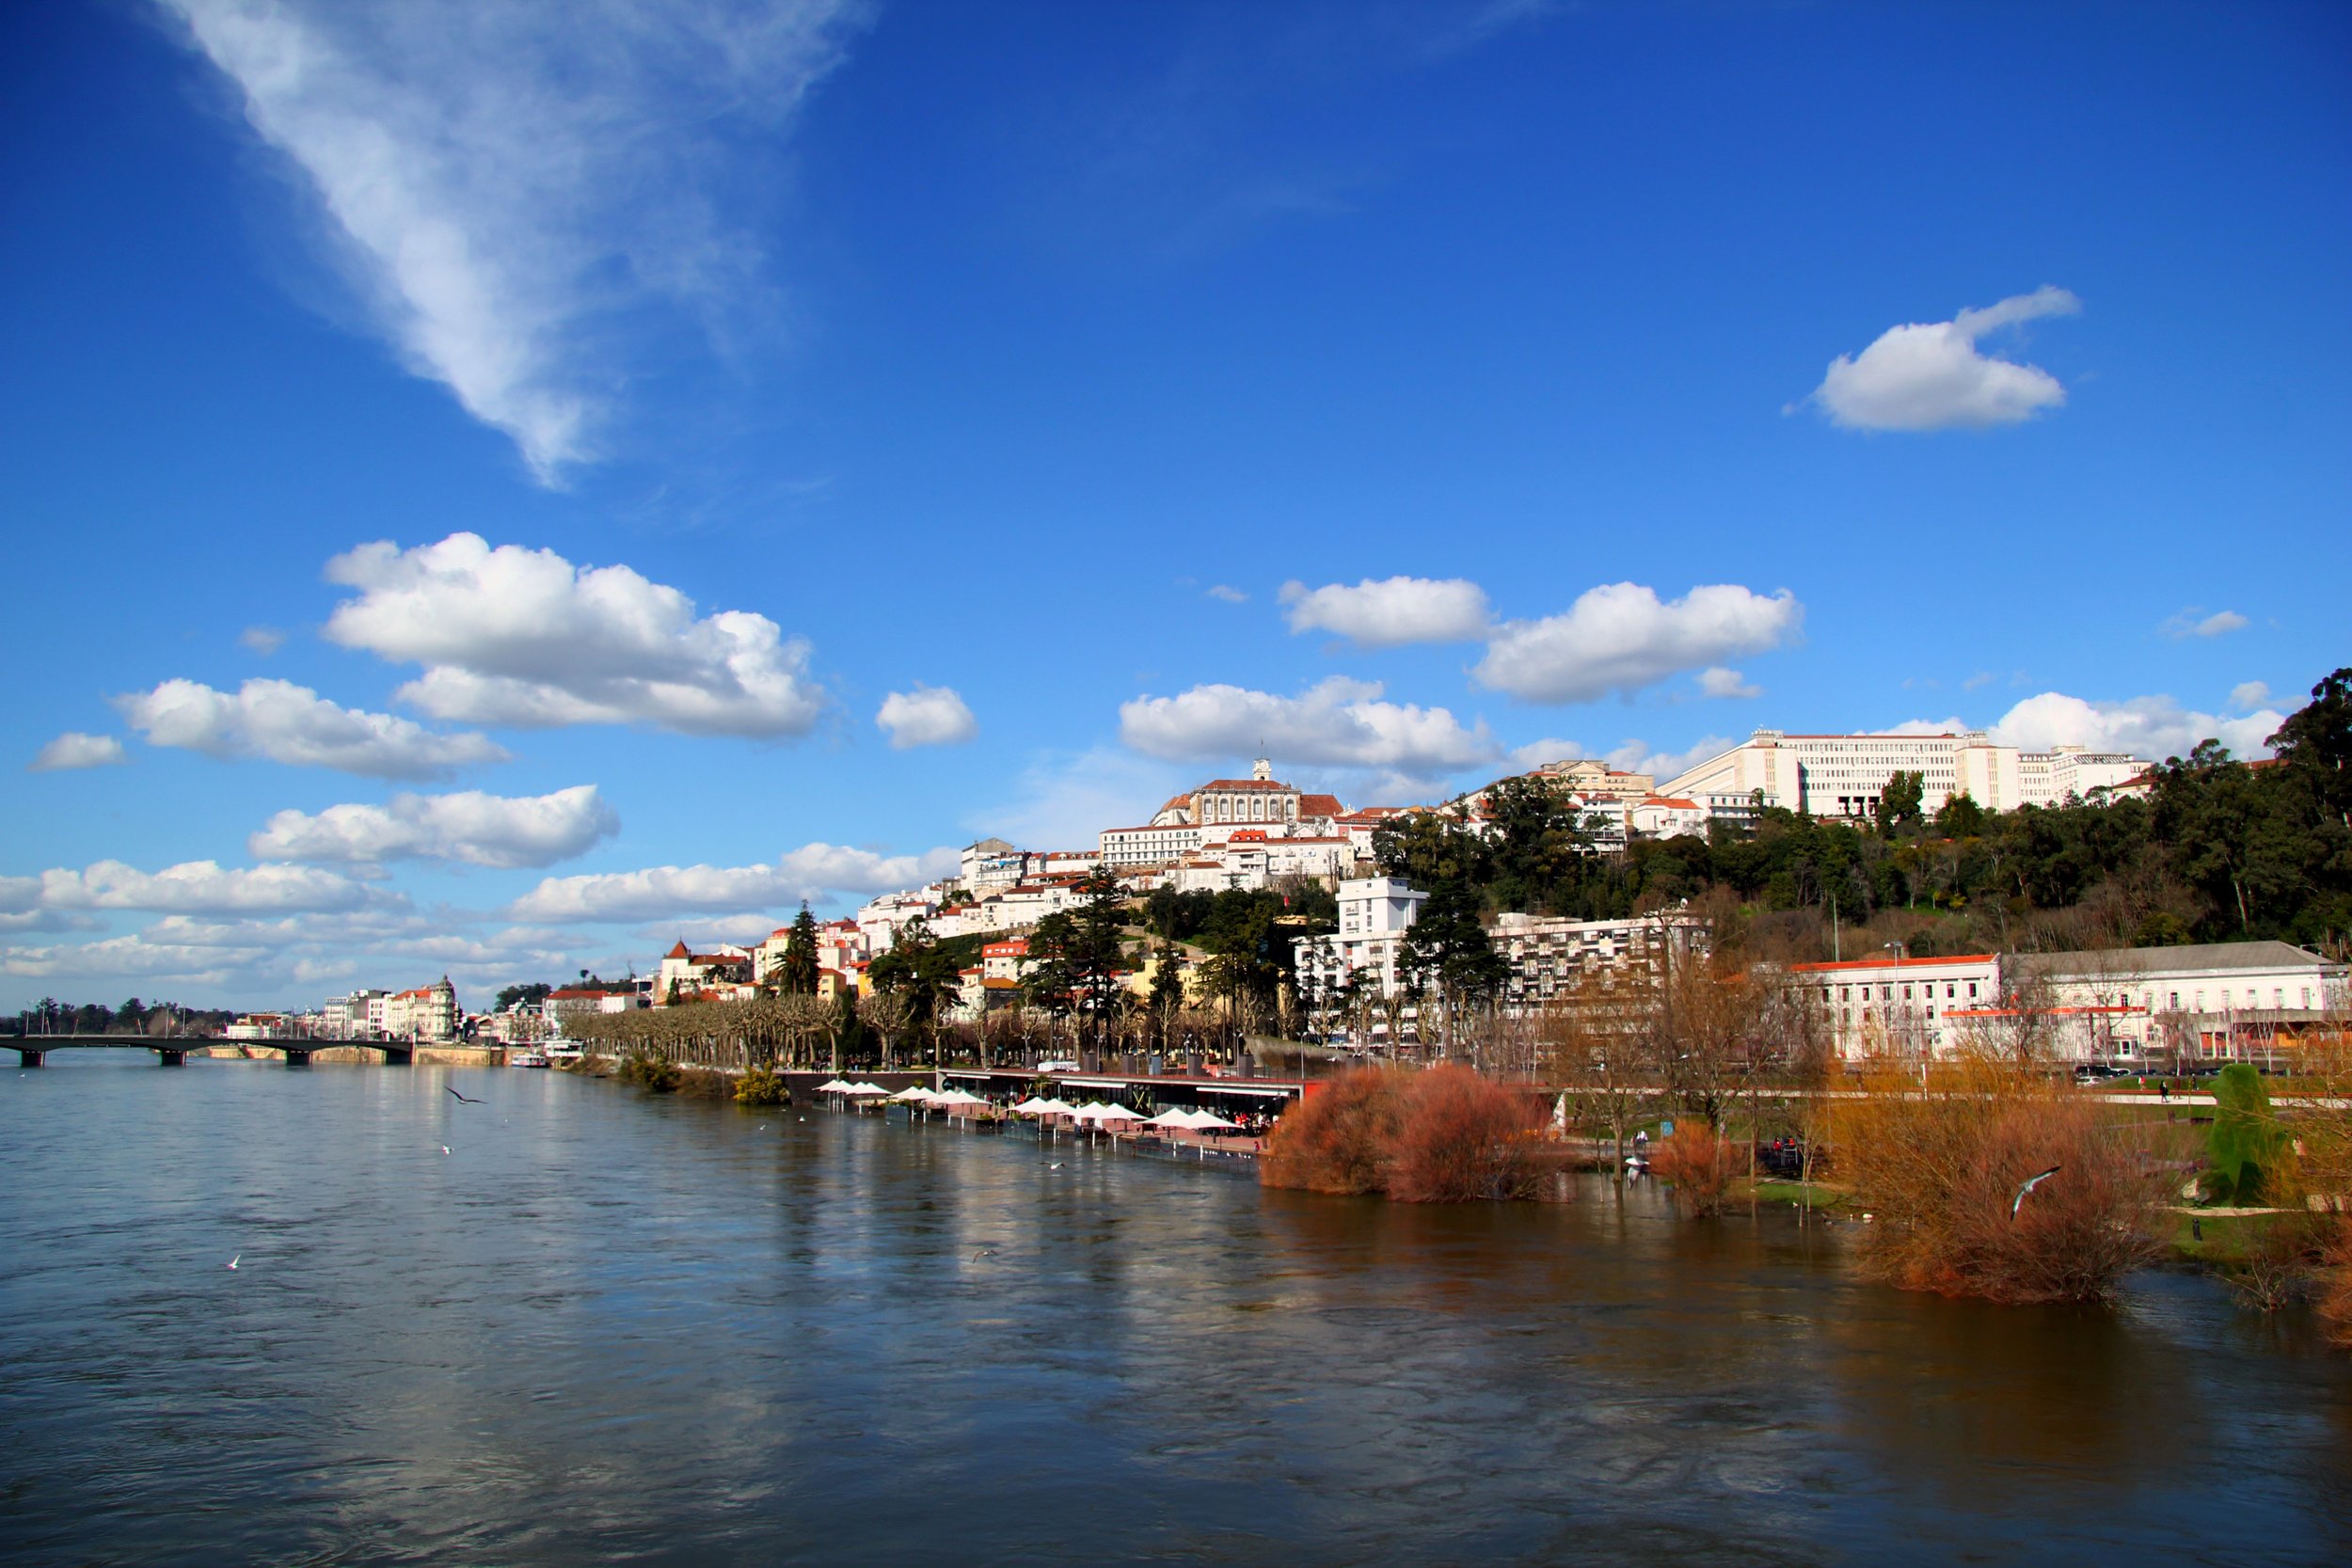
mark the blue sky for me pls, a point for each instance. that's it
(477, 477)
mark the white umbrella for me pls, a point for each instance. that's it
(1099, 1112)
(1056, 1107)
(957, 1097)
(1032, 1106)
(833, 1085)
(1210, 1119)
(863, 1090)
(1178, 1119)
(913, 1095)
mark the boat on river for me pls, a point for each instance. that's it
(528, 1058)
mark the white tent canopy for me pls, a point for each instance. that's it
(915, 1094)
(833, 1085)
(955, 1096)
(1032, 1106)
(865, 1091)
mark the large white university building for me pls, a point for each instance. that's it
(1844, 775)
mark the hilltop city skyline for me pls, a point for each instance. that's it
(502, 497)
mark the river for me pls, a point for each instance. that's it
(604, 1329)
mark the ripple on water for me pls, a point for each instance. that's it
(604, 1329)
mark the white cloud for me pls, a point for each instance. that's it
(264, 640)
(2250, 695)
(1716, 681)
(1929, 376)
(472, 827)
(1228, 594)
(1063, 801)
(521, 637)
(505, 183)
(927, 716)
(1390, 612)
(2151, 727)
(280, 722)
(126, 957)
(193, 887)
(1338, 722)
(2193, 623)
(661, 891)
(74, 749)
(1621, 638)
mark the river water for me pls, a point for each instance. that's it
(604, 1329)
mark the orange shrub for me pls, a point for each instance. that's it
(1939, 1168)
(1338, 1140)
(2335, 1284)
(1445, 1135)
(1463, 1138)
(1698, 1164)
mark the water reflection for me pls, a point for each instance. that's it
(602, 1327)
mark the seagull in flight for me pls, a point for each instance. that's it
(232, 1263)
(461, 1099)
(984, 1252)
(445, 1149)
(1056, 1166)
(2030, 1184)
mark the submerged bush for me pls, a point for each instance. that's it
(761, 1087)
(2335, 1282)
(653, 1073)
(1941, 1168)
(1463, 1138)
(1698, 1163)
(1340, 1139)
(1445, 1135)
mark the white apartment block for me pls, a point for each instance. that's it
(426, 1013)
(1845, 775)
(1547, 954)
(1374, 915)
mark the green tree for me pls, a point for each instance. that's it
(1167, 989)
(2246, 1149)
(2316, 743)
(1900, 802)
(524, 996)
(1960, 817)
(794, 971)
(917, 972)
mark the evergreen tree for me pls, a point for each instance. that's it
(794, 972)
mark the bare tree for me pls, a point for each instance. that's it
(885, 1012)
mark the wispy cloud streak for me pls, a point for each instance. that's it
(503, 181)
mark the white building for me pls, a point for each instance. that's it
(426, 1013)
(1374, 915)
(2215, 1001)
(1901, 1007)
(1217, 811)
(1845, 775)
(1546, 954)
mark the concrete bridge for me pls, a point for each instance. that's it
(173, 1050)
